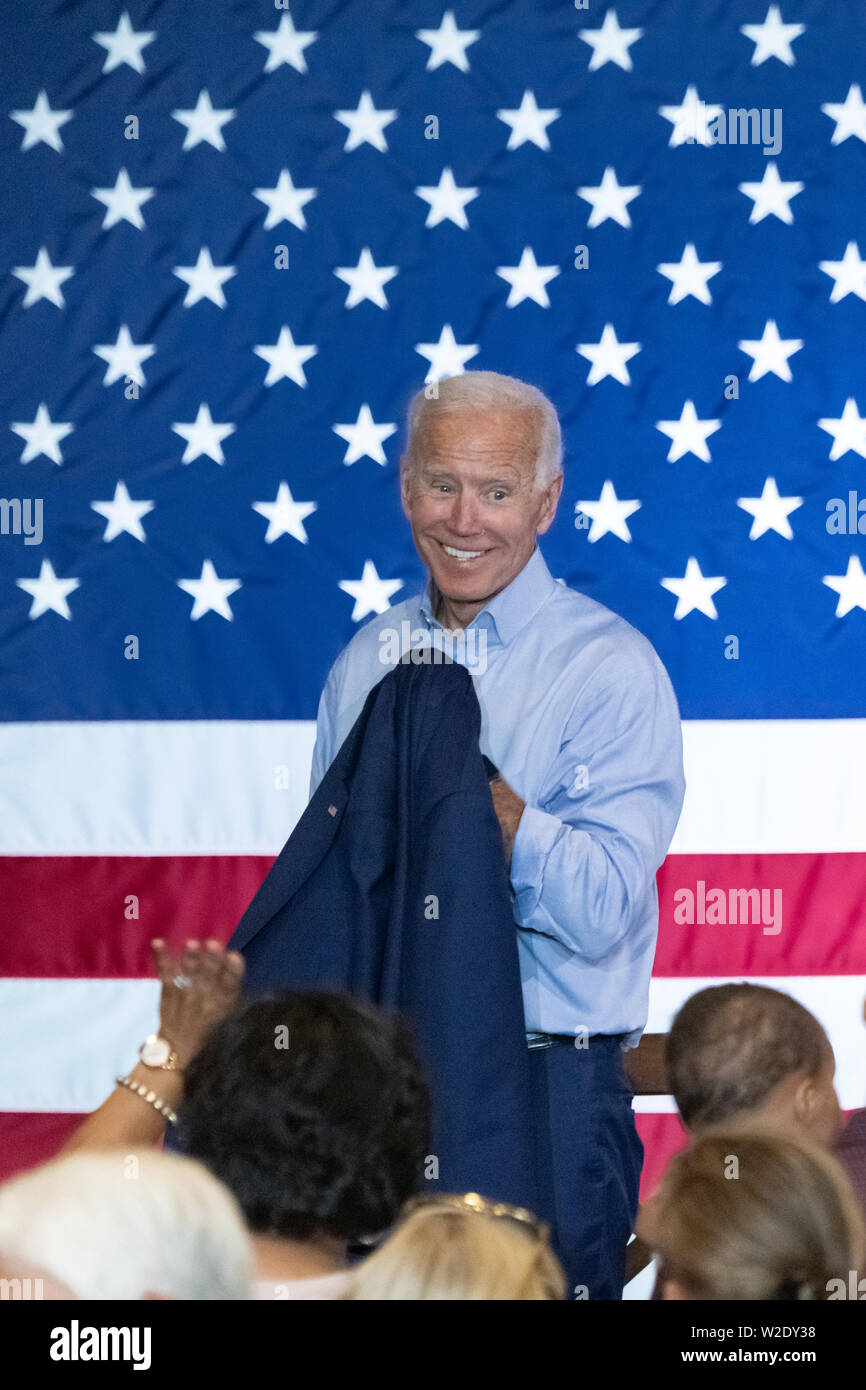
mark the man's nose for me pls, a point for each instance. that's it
(465, 517)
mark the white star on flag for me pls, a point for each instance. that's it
(772, 39)
(211, 594)
(43, 280)
(286, 358)
(365, 124)
(608, 514)
(771, 196)
(366, 280)
(770, 512)
(527, 280)
(124, 358)
(42, 436)
(446, 201)
(205, 280)
(124, 45)
(610, 43)
(365, 438)
(770, 353)
(528, 122)
(204, 123)
(447, 357)
(849, 274)
(848, 431)
(203, 436)
(122, 201)
(689, 275)
(694, 590)
(691, 119)
(41, 124)
(284, 202)
(850, 586)
(608, 357)
(849, 115)
(609, 199)
(285, 516)
(689, 434)
(48, 592)
(122, 514)
(371, 594)
(448, 44)
(286, 44)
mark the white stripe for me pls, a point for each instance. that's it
(775, 786)
(156, 787)
(212, 787)
(62, 1042)
(835, 1000)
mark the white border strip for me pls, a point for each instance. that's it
(62, 1042)
(239, 787)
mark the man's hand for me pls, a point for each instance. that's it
(509, 808)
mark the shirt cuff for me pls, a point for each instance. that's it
(537, 833)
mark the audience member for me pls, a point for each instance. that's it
(124, 1225)
(461, 1249)
(755, 1216)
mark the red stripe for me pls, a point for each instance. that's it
(64, 917)
(662, 1136)
(823, 926)
(30, 1139)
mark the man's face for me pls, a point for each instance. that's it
(472, 505)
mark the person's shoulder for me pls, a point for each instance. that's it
(370, 638)
(617, 646)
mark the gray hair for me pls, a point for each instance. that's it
(488, 391)
(121, 1224)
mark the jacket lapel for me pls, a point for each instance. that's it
(300, 856)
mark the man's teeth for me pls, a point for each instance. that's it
(461, 554)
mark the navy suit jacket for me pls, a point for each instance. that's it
(393, 886)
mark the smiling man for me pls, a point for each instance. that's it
(579, 717)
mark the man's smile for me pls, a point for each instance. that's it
(463, 556)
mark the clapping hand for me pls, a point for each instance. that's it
(199, 988)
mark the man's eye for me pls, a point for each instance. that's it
(498, 494)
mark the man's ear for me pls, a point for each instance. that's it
(552, 494)
(404, 486)
(806, 1100)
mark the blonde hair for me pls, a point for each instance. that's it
(755, 1216)
(457, 1249)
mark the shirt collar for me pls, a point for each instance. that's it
(511, 609)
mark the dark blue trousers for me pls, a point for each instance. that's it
(589, 1160)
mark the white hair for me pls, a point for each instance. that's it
(488, 391)
(119, 1224)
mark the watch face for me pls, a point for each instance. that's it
(154, 1051)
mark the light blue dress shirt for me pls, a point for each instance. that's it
(579, 716)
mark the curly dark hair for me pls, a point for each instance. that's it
(730, 1046)
(313, 1110)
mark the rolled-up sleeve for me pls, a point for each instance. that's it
(585, 857)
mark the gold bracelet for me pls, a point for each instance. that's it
(150, 1096)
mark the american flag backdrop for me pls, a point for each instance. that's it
(236, 236)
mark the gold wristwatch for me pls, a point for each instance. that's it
(157, 1052)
